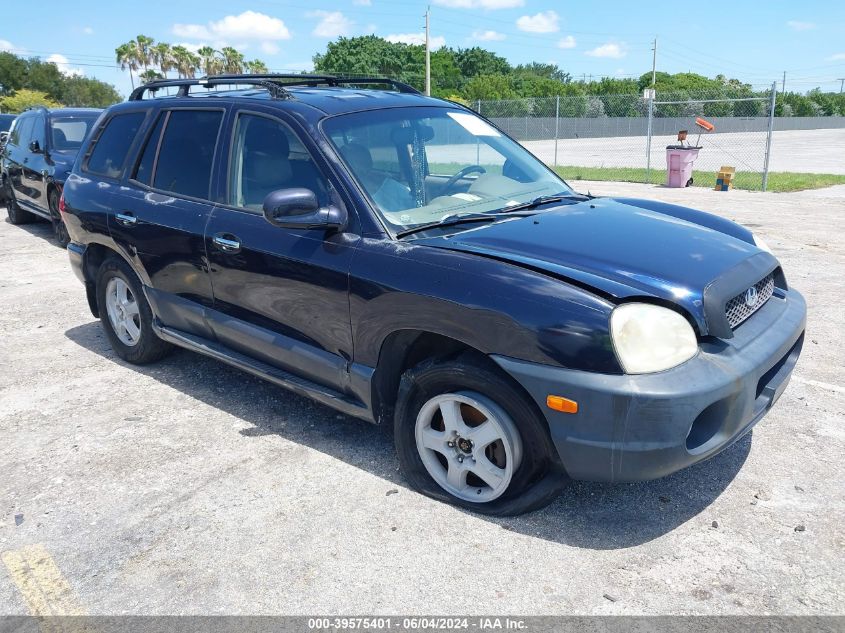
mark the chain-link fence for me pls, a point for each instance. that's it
(624, 137)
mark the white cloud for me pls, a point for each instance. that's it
(362, 3)
(836, 58)
(567, 42)
(271, 48)
(800, 26)
(543, 22)
(610, 50)
(7, 47)
(331, 24)
(249, 25)
(490, 5)
(488, 36)
(88, 30)
(63, 65)
(417, 38)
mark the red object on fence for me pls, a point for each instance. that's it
(704, 125)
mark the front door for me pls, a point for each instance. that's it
(281, 295)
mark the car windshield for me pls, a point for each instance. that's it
(420, 165)
(68, 132)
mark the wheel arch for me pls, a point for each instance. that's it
(404, 349)
(95, 254)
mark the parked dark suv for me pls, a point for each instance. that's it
(400, 259)
(39, 153)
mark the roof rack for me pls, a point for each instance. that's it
(275, 83)
(276, 90)
(327, 80)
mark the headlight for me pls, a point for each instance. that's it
(759, 243)
(650, 338)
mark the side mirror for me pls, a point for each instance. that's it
(34, 147)
(3, 137)
(298, 208)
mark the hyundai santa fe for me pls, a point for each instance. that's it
(399, 258)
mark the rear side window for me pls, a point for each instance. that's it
(186, 152)
(109, 153)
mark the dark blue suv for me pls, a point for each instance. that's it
(400, 259)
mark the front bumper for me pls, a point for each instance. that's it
(638, 427)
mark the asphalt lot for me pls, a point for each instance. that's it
(187, 487)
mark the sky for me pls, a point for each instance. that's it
(755, 41)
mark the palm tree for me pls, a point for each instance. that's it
(151, 75)
(233, 60)
(256, 67)
(143, 48)
(210, 63)
(162, 55)
(184, 61)
(125, 56)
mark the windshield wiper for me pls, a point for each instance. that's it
(450, 220)
(536, 202)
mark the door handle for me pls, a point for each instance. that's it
(126, 219)
(227, 244)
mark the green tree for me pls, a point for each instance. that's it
(127, 59)
(256, 67)
(184, 61)
(89, 93)
(476, 61)
(12, 73)
(24, 98)
(151, 74)
(210, 61)
(232, 60)
(162, 55)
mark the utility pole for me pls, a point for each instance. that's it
(654, 63)
(783, 83)
(841, 81)
(427, 53)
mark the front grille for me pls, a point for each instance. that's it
(739, 308)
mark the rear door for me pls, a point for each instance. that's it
(280, 295)
(161, 211)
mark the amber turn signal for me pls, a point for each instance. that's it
(559, 403)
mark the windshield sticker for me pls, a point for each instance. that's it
(473, 124)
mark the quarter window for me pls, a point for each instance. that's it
(144, 171)
(109, 153)
(186, 154)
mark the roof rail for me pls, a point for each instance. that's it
(327, 80)
(276, 90)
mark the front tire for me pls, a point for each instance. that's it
(467, 435)
(125, 314)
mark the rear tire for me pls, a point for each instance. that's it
(16, 214)
(125, 314)
(514, 473)
(59, 228)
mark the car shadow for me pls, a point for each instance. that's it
(588, 515)
(38, 227)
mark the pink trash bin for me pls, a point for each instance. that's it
(679, 160)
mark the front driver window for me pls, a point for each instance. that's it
(267, 156)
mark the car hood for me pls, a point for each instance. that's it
(622, 249)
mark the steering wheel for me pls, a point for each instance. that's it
(469, 169)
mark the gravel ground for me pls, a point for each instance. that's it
(189, 488)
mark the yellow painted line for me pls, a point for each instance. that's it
(45, 590)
